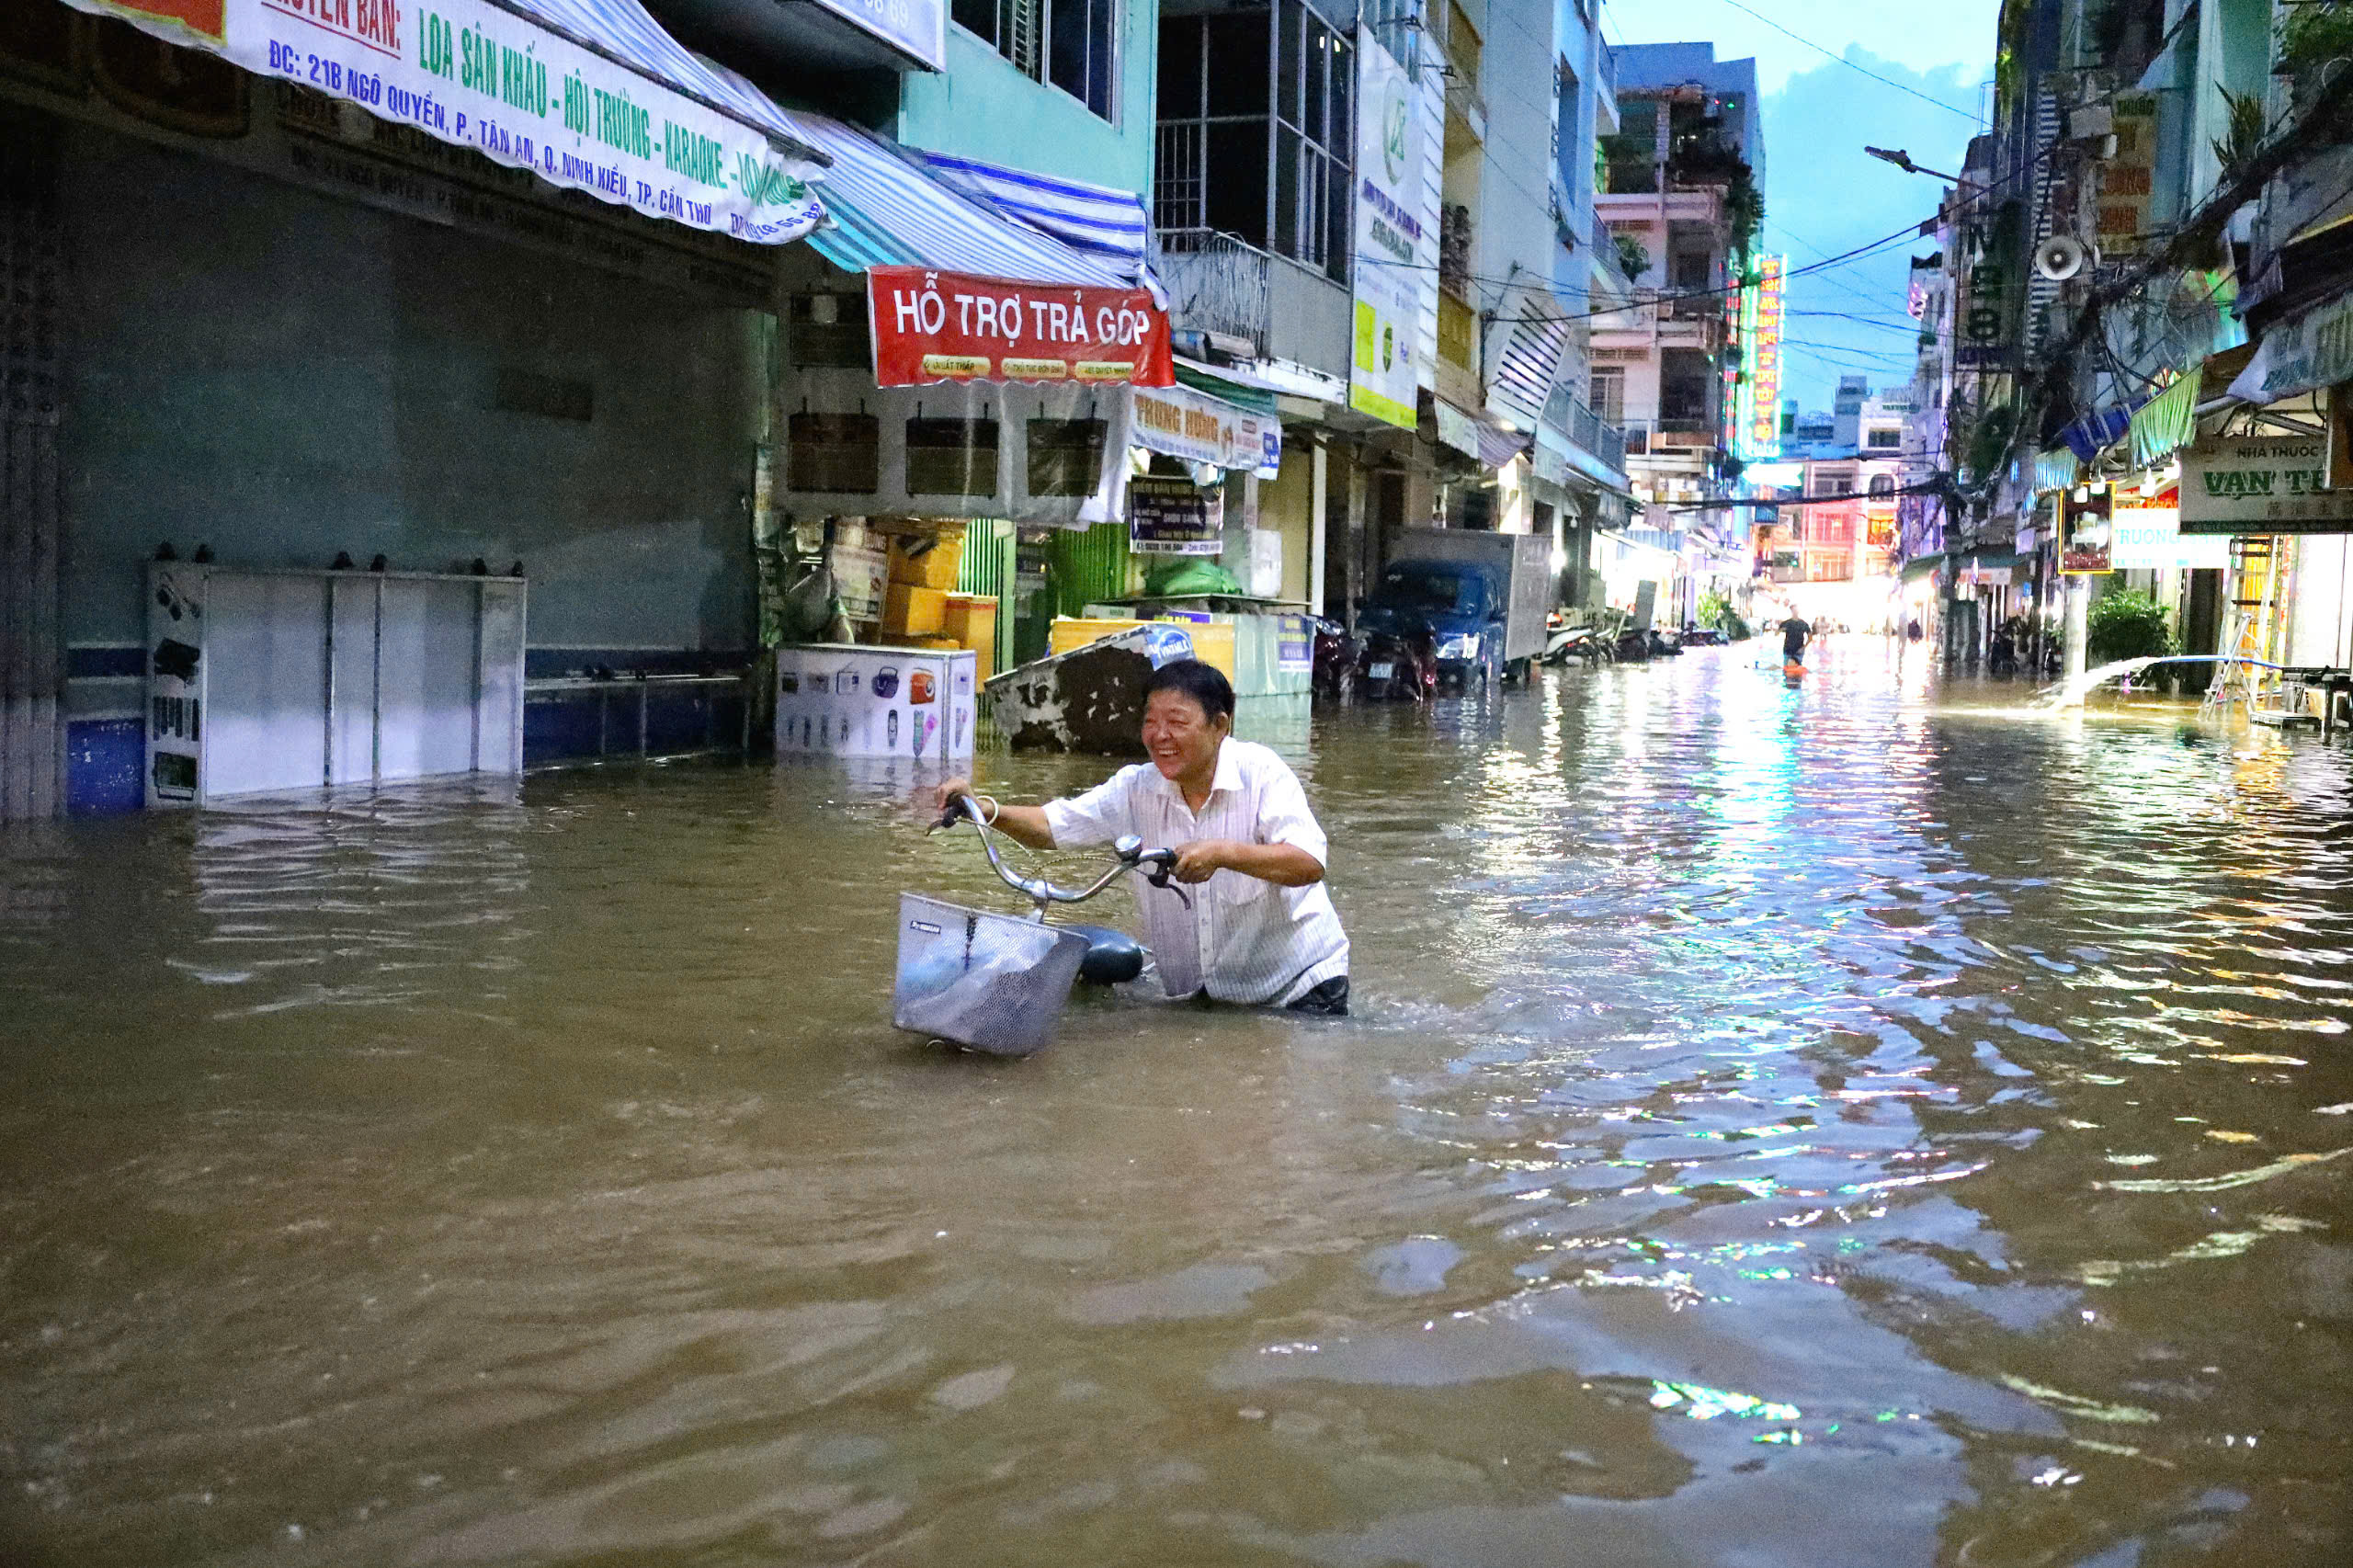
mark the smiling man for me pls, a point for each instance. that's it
(1261, 930)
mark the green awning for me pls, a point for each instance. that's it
(1915, 570)
(1251, 399)
(2054, 470)
(2167, 422)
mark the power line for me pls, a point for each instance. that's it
(1968, 115)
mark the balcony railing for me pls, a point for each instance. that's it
(1650, 436)
(1567, 414)
(1216, 282)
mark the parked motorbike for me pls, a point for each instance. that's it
(1563, 641)
(1336, 656)
(1633, 646)
(1398, 665)
(2001, 657)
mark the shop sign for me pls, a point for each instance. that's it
(2296, 356)
(2261, 484)
(1761, 356)
(917, 29)
(1975, 574)
(2087, 535)
(1173, 516)
(2128, 180)
(2148, 537)
(1396, 238)
(477, 76)
(932, 326)
(1181, 423)
(1294, 645)
(1983, 333)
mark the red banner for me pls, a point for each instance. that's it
(950, 327)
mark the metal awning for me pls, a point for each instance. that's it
(888, 210)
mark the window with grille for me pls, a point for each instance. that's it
(1256, 123)
(1073, 44)
(1566, 138)
(1886, 439)
(1608, 396)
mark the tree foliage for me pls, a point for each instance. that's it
(2126, 625)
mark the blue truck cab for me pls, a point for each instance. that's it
(1462, 603)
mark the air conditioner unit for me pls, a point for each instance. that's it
(2063, 256)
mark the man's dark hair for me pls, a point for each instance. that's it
(1205, 684)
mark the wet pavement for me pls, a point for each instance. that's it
(1857, 1124)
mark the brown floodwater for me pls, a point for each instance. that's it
(1855, 1123)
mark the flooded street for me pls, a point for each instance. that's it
(1860, 1125)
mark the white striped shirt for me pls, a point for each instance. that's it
(1244, 940)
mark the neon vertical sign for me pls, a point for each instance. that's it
(1760, 353)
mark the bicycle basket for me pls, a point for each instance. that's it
(987, 980)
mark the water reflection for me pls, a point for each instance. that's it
(1831, 1123)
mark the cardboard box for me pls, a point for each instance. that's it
(858, 580)
(971, 620)
(968, 611)
(926, 560)
(911, 611)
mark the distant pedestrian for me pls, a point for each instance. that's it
(1912, 632)
(1794, 635)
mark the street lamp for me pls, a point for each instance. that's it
(1903, 160)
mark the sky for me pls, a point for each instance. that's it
(1822, 195)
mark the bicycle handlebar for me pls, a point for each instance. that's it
(1129, 850)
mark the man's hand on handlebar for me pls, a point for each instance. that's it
(1200, 860)
(1023, 824)
(944, 800)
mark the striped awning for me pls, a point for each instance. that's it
(1255, 398)
(1095, 219)
(623, 32)
(2167, 422)
(1496, 448)
(2054, 470)
(2095, 433)
(889, 210)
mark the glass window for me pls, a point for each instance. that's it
(1080, 38)
(1180, 68)
(979, 16)
(1237, 187)
(1290, 79)
(1236, 72)
(1278, 180)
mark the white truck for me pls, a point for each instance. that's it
(1484, 596)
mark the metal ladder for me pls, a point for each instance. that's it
(2246, 633)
